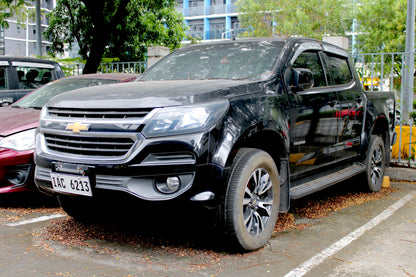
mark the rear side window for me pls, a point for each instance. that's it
(311, 61)
(33, 77)
(3, 78)
(339, 70)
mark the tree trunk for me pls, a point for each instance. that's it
(96, 53)
(102, 30)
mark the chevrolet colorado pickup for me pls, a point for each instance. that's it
(239, 127)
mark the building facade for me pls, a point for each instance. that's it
(19, 39)
(210, 19)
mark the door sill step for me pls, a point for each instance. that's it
(325, 181)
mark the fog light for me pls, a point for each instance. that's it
(171, 185)
(17, 177)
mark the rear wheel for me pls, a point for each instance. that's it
(375, 162)
(252, 199)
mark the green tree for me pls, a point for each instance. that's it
(119, 28)
(381, 25)
(12, 8)
(312, 18)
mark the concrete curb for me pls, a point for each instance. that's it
(401, 174)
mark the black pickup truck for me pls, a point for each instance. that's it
(21, 75)
(239, 127)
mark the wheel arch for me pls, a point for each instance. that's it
(267, 140)
(381, 128)
(276, 144)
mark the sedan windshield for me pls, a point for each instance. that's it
(39, 97)
(234, 60)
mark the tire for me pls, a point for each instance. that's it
(375, 163)
(251, 208)
(80, 208)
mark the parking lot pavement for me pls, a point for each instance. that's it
(374, 238)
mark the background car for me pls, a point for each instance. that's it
(19, 121)
(21, 75)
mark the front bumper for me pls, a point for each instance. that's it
(184, 157)
(16, 170)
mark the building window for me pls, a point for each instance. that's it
(3, 78)
(216, 29)
(2, 43)
(196, 29)
(218, 2)
(196, 3)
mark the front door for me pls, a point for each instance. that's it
(314, 121)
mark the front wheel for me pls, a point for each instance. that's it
(81, 208)
(251, 205)
(375, 162)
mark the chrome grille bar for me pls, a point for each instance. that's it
(98, 113)
(97, 146)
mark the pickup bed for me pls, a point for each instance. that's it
(239, 127)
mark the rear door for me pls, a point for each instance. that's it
(351, 102)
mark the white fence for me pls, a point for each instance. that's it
(125, 67)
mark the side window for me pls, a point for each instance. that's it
(311, 61)
(339, 70)
(3, 78)
(33, 77)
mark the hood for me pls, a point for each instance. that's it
(14, 120)
(153, 94)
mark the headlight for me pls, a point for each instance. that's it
(184, 119)
(20, 141)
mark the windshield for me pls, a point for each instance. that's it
(238, 60)
(39, 97)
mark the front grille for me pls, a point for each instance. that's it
(89, 146)
(99, 113)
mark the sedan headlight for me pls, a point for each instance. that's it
(184, 119)
(21, 141)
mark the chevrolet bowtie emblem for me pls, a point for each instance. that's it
(77, 127)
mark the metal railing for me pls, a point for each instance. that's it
(114, 67)
(383, 72)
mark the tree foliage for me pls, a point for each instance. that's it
(312, 18)
(381, 25)
(119, 28)
(10, 9)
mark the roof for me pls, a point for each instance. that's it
(26, 59)
(287, 40)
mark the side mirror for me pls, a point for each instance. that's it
(302, 79)
(6, 101)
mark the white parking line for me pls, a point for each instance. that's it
(36, 219)
(345, 241)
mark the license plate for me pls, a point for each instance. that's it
(74, 184)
